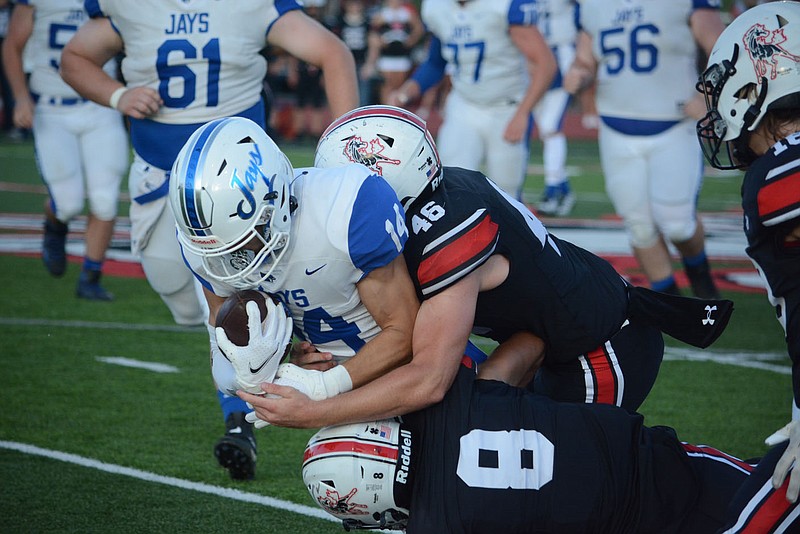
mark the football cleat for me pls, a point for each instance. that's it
(236, 450)
(702, 283)
(557, 201)
(54, 253)
(89, 287)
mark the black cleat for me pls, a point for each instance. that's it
(54, 252)
(89, 287)
(236, 450)
(702, 284)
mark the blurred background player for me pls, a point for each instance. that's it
(185, 64)
(643, 55)
(352, 27)
(500, 67)
(752, 90)
(556, 21)
(395, 29)
(327, 243)
(81, 148)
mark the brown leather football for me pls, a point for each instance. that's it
(232, 315)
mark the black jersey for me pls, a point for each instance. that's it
(564, 294)
(492, 458)
(771, 203)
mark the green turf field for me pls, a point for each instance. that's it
(89, 445)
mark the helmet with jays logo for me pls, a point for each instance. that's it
(349, 471)
(229, 192)
(391, 141)
(754, 67)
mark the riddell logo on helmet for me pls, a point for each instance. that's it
(368, 153)
(204, 241)
(403, 465)
(765, 47)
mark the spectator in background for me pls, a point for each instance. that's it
(643, 56)
(207, 65)
(81, 148)
(395, 29)
(352, 27)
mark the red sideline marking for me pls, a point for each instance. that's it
(122, 269)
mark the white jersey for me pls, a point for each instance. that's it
(646, 56)
(204, 62)
(54, 24)
(556, 21)
(348, 222)
(485, 66)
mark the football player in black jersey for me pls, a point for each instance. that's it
(482, 263)
(752, 89)
(491, 458)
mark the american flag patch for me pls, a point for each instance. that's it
(386, 432)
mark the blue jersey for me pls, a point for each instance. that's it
(348, 222)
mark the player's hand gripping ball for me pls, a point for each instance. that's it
(254, 334)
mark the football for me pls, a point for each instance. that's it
(232, 315)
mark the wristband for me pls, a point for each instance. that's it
(115, 96)
(403, 98)
(337, 380)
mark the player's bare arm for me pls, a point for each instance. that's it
(542, 67)
(82, 62)
(583, 70)
(514, 361)
(440, 336)
(308, 40)
(19, 31)
(388, 293)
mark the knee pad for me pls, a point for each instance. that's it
(175, 284)
(104, 206)
(67, 209)
(643, 234)
(677, 223)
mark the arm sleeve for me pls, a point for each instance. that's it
(431, 71)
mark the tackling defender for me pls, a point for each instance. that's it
(185, 64)
(482, 263)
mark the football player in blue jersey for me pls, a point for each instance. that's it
(187, 63)
(482, 263)
(752, 89)
(500, 66)
(81, 148)
(492, 458)
(326, 243)
(652, 165)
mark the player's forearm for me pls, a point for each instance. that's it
(12, 63)
(515, 361)
(386, 351)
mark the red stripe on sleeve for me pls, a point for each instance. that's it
(711, 451)
(458, 252)
(779, 195)
(605, 381)
(769, 513)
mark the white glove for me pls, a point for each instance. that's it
(790, 457)
(258, 361)
(317, 385)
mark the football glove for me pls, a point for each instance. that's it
(316, 385)
(790, 457)
(258, 361)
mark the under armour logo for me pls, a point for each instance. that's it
(708, 320)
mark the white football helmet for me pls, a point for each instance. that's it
(754, 66)
(391, 141)
(350, 472)
(229, 191)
